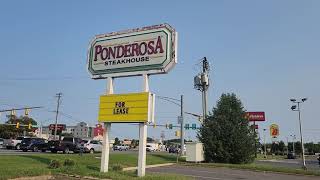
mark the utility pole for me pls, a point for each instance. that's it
(58, 95)
(201, 82)
(182, 127)
(205, 84)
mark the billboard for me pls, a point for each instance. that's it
(132, 107)
(255, 116)
(60, 127)
(147, 50)
(274, 130)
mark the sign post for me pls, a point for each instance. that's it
(136, 52)
(255, 116)
(105, 142)
(143, 136)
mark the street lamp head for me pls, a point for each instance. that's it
(293, 100)
(293, 107)
(303, 99)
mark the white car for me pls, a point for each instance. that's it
(150, 148)
(121, 147)
(93, 146)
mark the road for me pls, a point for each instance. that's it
(202, 173)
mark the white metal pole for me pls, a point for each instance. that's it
(105, 142)
(265, 145)
(143, 136)
(302, 145)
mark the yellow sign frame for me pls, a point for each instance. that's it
(127, 108)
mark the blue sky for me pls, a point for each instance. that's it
(264, 51)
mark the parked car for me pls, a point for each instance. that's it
(93, 146)
(66, 145)
(173, 149)
(1, 142)
(121, 147)
(13, 143)
(291, 155)
(34, 144)
(150, 148)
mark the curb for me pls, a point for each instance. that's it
(80, 177)
(148, 166)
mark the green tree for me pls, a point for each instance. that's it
(226, 134)
(310, 147)
(134, 143)
(9, 129)
(116, 141)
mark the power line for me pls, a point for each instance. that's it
(42, 79)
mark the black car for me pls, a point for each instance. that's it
(291, 155)
(34, 144)
(67, 145)
(173, 149)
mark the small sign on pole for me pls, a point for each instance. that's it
(255, 116)
(274, 130)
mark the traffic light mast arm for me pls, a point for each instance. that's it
(17, 109)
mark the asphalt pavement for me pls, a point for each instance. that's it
(202, 173)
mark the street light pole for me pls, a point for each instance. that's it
(302, 145)
(265, 145)
(300, 127)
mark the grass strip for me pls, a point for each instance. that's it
(257, 167)
(13, 166)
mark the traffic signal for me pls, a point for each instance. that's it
(17, 125)
(26, 112)
(13, 112)
(29, 126)
(178, 133)
(170, 126)
(154, 125)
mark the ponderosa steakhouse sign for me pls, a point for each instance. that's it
(150, 50)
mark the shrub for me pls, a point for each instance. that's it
(117, 167)
(68, 162)
(54, 164)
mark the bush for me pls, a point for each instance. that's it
(54, 164)
(68, 162)
(117, 167)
